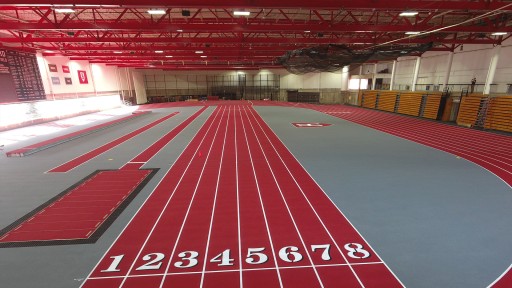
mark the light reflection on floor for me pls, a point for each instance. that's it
(11, 137)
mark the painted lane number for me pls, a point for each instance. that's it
(255, 256)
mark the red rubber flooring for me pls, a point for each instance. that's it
(81, 211)
(216, 221)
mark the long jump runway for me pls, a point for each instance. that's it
(238, 210)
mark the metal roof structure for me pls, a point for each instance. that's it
(207, 35)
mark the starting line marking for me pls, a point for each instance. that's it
(236, 270)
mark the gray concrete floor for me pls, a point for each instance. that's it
(436, 220)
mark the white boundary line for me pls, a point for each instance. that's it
(143, 203)
(173, 114)
(238, 199)
(285, 203)
(207, 248)
(163, 146)
(457, 138)
(309, 203)
(424, 143)
(501, 276)
(191, 200)
(261, 203)
(455, 131)
(334, 203)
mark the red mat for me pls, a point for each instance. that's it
(80, 213)
(238, 209)
(72, 164)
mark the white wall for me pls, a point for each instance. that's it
(323, 80)
(105, 78)
(472, 61)
(101, 78)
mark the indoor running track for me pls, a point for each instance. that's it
(238, 210)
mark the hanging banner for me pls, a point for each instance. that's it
(82, 77)
(65, 69)
(52, 68)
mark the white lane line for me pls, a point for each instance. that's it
(285, 202)
(192, 199)
(310, 205)
(237, 111)
(149, 196)
(261, 203)
(207, 248)
(138, 210)
(332, 202)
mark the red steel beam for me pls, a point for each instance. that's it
(260, 40)
(254, 27)
(304, 4)
(180, 49)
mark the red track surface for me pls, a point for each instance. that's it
(489, 150)
(70, 165)
(237, 209)
(81, 211)
(505, 280)
(67, 137)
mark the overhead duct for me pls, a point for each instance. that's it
(330, 58)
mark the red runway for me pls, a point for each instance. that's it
(79, 212)
(238, 210)
(72, 164)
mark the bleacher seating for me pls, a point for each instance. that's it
(387, 101)
(431, 107)
(468, 110)
(368, 99)
(423, 104)
(410, 103)
(499, 114)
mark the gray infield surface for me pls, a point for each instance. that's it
(436, 220)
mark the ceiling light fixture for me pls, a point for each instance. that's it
(409, 13)
(412, 33)
(159, 51)
(168, 56)
(203, 56)
(199, 52)
(118, 52)
(156, 11)
(307, 31)
(179, 30)
(241, 13)
(499, 33)
(64, 10)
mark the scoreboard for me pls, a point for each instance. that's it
(25, 74)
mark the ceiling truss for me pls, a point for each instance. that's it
(123, 33)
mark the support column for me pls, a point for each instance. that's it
(393, 70)
(344, 78)
(374, 76)
(448, 71)
(492, 69)
(416, 72)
